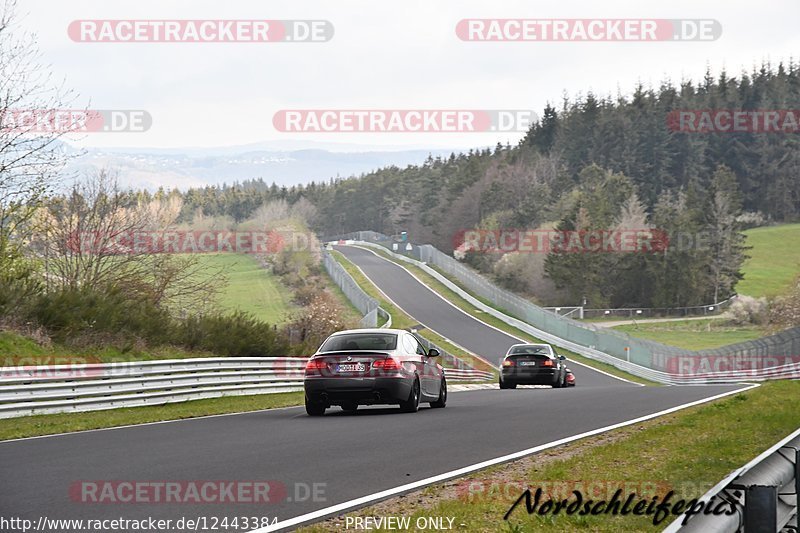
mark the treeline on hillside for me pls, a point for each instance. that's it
(545, 181)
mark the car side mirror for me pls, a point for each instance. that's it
(433, 352)
(562, 358)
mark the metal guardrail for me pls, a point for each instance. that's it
(580, 312)
(366, 304)
(658, 354)
(763, 495)
(30, 390)
(711, 309)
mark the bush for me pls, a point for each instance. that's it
(752, 219)
(748, 310)
(316, 322)
(784, 312)
(97, 317)
(236, 335)
(18, 287)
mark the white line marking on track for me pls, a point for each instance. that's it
(382, 495)
(143, 423)
(201, 417)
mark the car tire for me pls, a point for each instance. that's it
(503, 385)
(442, 401)
(411, 405)
(315, 408)
(511, 385)
(350, 407)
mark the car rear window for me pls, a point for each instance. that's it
(530, 350)
(360, 341)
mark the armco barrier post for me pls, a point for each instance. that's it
(761, 509)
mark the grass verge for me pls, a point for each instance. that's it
(687, 452)
(16, 349)
(693, 334)
(31, 426)
(774, 261)
(465, 306)
(251, 287)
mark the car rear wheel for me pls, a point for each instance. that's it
(412, 404)
(315, 408)
(442, 401)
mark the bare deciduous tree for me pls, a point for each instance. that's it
(31, 157)
(90, 240)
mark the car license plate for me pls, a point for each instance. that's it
(527, 363)
(352, 367)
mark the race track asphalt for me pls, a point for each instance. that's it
(343, 456)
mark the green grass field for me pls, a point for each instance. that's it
(251, 288)
(774, 260)
(693, 334)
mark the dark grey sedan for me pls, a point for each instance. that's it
(373, 366)
(533, 364)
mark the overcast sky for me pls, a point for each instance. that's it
(385, 54)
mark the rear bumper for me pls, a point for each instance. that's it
(362, 390)
(539, 377)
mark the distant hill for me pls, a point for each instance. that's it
(196, 167)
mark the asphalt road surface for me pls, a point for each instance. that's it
(437, 314)
(315, 463)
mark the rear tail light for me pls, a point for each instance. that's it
(387, 365)
(508, 362)
(315, 365)
(547, 362)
